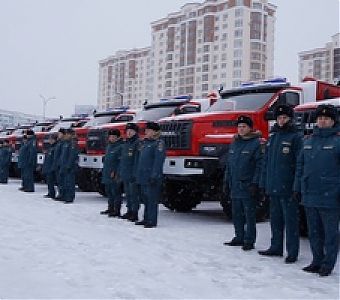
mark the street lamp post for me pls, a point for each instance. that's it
(45, 101)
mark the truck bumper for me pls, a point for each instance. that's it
(90, 161)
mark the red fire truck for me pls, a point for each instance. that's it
(197, 144)
(92, 161)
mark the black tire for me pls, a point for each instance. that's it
(84, 181)
(178, 197)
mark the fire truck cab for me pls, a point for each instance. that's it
(197, 144)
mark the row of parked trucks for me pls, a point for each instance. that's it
(197, 134)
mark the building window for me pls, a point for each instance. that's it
(237, 73)
(238, 33)
(205, 68)
(206, 57)
(238, 53)
(205, 87)
(206, 48)
(238, 12)
(238, 23)
(237, 63)
(205, 77)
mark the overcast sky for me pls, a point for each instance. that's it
(52, 47)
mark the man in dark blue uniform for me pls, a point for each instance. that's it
(318, 179)
(110, 174)
(149, 173)
(127, 171)
(68, 166)
(47, 168)
(5, 160)
(277, 179)
(242, 175)
(56, 162)
(27, 161)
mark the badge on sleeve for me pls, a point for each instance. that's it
(285, 150)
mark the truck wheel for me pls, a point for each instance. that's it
(84, 181)
(179, 198)
(226, 205)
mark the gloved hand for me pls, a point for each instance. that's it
(253, 190)
(296, 196)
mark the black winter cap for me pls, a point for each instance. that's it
(115, 132)
(327, 110)
(153, 125)
(29, 132)
(62, 130)
(132, 126)
(245, 120)
(284, 109)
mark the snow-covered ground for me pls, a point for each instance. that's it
(52, 250)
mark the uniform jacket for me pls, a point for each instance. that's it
(318, 169)
(129, 158)
(279, 161)
(151, 156)
(243, 165)
(57, 155)
(49, 159)
(28, 154)
(68, 157)
(5, 156)
(111, 161)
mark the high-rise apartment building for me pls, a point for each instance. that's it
(205, 45)
(124, 79)
(322, 63)
(193, 51)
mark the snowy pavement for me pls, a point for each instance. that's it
(52, 250)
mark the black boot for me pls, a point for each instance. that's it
(311, 269)
(106, 212)
(247, 246)
(233, 242)
(133, 217)
(127, 215)
(270, 252)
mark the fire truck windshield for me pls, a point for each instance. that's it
(98, 121)
(66, 124)
(242, 102)
(154, 114)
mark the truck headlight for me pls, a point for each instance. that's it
(193, 163)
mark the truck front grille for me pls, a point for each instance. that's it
(176, 134)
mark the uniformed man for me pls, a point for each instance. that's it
(56, 162)
(318, 179)
(277, 179)
(5, 160)
(27, 161)
(242, 175)
(68, 165)
(47, 168)
(110, 174)
(127, 171)
(149, 173)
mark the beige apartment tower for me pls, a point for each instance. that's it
(205, 45)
